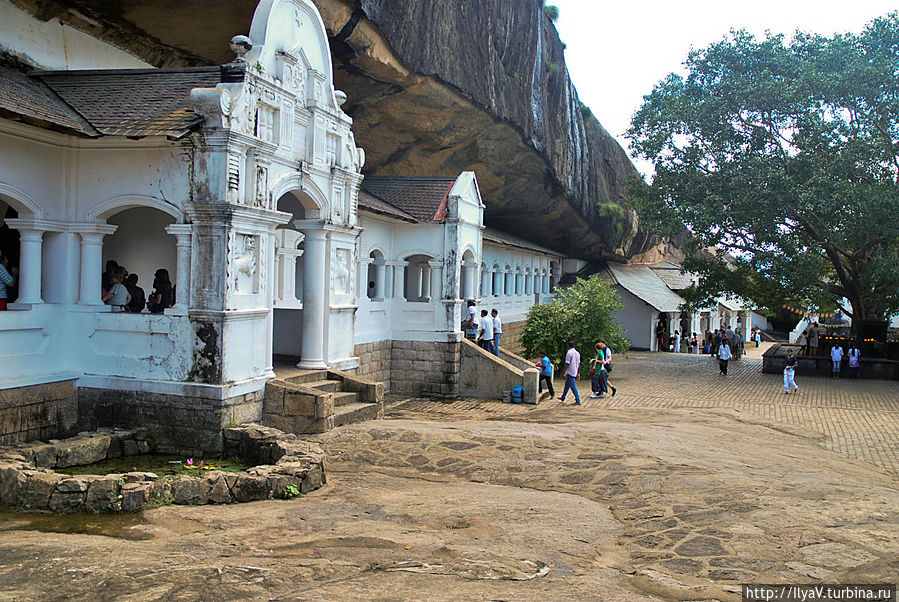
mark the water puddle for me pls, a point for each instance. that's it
(162, 465)
(120, 526)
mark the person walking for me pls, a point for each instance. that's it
(497, 330)
(546, 375)
(572, 373)
(836, 356)
(854, 363)
(724, 354)
(790, 373)
(485, 332)
(599, 378)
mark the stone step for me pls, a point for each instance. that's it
(309, 376)
(356, 412)
(345, 398)
(324, 385)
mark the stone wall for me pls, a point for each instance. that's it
(485, 375)
(512, 333)
(374, 361)
(413, 367)
(46, 411)
(177, 423)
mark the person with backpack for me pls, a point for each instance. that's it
(546, 375)
(599, 372)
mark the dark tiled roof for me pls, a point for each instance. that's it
(421, 197)
(504, 238)
(27, 100)
(133, 102)
(372, 203)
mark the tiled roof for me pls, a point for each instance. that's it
(421, 197)
(25, 99)
(372, 203)
(642, 282)
(672, 275)
(499, 237)
(133, 102)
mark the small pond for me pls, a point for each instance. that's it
(161, 465)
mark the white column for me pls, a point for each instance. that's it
(398, 280)
(468, 274)
(497, 283)
(287, 270)
(380, 276)
(92, 263)
(30, 242)
(424, 282)
(485, 282)
(314, 283)
(434, 270)
(362, 277)
(182, 234)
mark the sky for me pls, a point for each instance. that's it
(617, 51)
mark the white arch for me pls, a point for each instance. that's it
(405, 254)
(106, 209)
(296, 182)
(21, 202)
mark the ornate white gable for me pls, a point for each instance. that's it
(283, 126)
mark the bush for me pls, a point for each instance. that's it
(552, 12)
(581, 313)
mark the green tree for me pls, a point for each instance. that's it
(783, 158)
(552, 12)
(581, 313)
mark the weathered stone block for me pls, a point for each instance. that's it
(129, 448)
(314, 479)
(190, 489)
(12, 485)
(218, 490)
(274, 398)
(39, 489)
(250, 487)
(324, 405)
(78, 451)
(70, 485)
(299, 404)
(104, 493)
(135, 496)
(40, 454)
(66, 501)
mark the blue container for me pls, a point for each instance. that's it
(517, 394)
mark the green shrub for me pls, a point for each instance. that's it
(552, 12)
(581, 313)
(552, 67)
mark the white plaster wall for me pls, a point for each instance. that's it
(637, 318)
(141, 244)
(52, 45)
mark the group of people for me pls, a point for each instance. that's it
(486, 330)
(122, 293)
(726, 344)
(808, 340)
(836, 358)
(600, 367)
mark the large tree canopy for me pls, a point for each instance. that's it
(782, 156)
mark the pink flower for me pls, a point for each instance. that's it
(190, 461)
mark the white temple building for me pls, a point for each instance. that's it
(243, 181)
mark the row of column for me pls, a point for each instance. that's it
(498, 283)
(427, 279)
(31, 237)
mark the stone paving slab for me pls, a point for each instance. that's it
(858, 418)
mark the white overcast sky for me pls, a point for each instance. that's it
(617, 51)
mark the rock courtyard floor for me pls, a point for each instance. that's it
(683, 486)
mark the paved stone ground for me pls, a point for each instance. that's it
(859, 418)
(682, 487)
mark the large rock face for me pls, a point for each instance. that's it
(435, 87)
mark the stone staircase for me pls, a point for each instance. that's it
(315, 401)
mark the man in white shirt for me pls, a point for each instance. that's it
(485, 332)
(572, 371)
(497, 330)
(723, 355)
